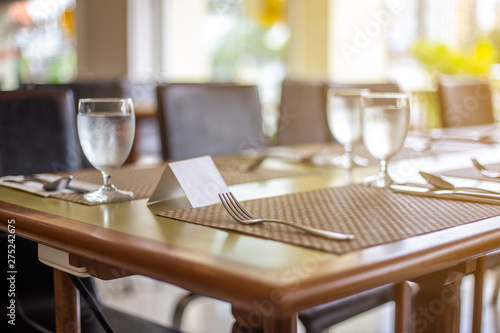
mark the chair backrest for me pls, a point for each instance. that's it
(465, 103)
(89, 89)
(38, 132)
(208, 119)
(302, 112)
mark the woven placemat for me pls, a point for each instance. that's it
(332, 150)
(142, 181)
(472, 172)
(375, 216)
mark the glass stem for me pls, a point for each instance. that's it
(383, 167)
(348, 156)
(107, 181)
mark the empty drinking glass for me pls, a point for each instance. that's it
(106, 129)
(344, 120)
(386, 118)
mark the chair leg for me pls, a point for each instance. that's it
(181, 306)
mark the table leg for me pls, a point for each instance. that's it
(67, 304)
(257, 322)
(402, 299)
(436, 305)
(477, 313)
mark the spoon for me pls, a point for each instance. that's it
(55, 185)
(483, 170)
(442, 184)
(478, 137)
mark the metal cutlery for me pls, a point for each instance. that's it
(50, 186)
(442, 184)
(241, 215)
(485, 171)
(473, 196)
(253, 164)
(486, 138)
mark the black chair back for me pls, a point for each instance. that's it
(38, 132)
(208, 119)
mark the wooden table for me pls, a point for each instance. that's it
(267, 282)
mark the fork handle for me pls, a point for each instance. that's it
(317, 232)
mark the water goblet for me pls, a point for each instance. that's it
(106, 129)
(385, 118)
(344, 121)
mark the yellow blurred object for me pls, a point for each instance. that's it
(68, 22)
(266, 12)
(439, 58)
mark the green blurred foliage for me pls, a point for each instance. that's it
(439, 58)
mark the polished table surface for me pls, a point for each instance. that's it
(253, 274)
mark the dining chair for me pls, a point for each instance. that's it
(38, 134)
(465, 103)
(303, 107)
(198, 119)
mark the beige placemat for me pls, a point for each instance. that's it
(332, 150)
(373, 215)
(142, 181)
(472, 172)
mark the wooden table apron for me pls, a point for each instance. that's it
(278, 293)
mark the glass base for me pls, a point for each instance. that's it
(379, 180)
(347, 161)
(108, 194)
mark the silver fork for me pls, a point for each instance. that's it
(241, 215)
(484, 171)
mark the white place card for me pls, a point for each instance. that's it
(197, 178)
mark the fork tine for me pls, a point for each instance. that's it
(240, 208)
(228, 208)
(233, 203)
(235, 211)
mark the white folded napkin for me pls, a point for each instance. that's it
(37, 188)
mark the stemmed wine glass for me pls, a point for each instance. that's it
(106, 129)
(344, 120)
(386, 118)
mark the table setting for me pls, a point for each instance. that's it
(385, 119)
(285, 198)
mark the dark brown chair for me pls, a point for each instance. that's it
(208, 119)
(302, 111)
(38, 134)
(465, 103)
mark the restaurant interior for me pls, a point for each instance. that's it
(253, 85)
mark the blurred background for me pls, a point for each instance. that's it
(262, 42)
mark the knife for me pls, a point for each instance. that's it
(473, 196)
